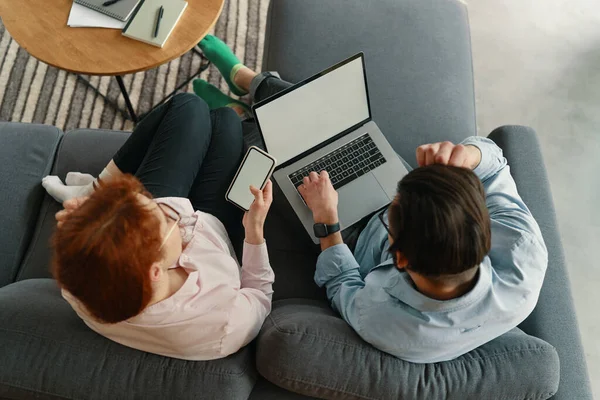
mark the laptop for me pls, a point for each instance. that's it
(325, 123)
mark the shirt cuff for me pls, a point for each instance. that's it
(255, 255)
(332, 262)
(492, 159)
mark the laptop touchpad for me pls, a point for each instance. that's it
(359, 198)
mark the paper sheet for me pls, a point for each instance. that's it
(83, 17)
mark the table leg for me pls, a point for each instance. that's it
(114, 104)
(132, 113)
(205, 63)
(203, 67)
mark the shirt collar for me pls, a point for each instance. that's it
(402, 288)
(188, 289)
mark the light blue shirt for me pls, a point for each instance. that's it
(383, 306)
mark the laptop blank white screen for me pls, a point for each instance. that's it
(315, 112)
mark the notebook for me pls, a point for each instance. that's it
(83, 17)
(142, 24)
(121, 10)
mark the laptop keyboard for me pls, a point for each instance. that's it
(345, 164)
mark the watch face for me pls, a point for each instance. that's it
(320, 230)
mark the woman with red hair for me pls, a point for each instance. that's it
(145, 258)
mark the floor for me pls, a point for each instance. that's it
(537, 63)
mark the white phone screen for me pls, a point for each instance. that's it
(254, 171)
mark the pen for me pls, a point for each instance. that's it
(109, 3)
(161, 10)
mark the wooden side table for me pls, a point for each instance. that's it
(40, 27)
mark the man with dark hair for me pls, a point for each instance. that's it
(455, 261)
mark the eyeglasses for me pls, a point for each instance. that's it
(171, 215)
(391, 249)
(385, 224)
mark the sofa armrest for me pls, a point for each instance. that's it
(27, 152)
(83, 150)
(553, 319)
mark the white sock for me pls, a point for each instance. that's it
(78, 179)
(61, 192)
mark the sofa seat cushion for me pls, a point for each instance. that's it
(48, 353)
(27, 153)
(306, 348)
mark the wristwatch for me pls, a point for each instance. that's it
(324, 230)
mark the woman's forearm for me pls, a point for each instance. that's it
(255, 235)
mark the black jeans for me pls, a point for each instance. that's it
(183, 149)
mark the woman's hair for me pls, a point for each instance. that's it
(104, 250)
(439, 221)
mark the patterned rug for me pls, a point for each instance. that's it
(31, 91)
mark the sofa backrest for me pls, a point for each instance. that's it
(26, 153)
(417, 57)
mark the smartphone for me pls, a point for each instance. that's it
(256, 169)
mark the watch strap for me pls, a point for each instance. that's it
(324, 230)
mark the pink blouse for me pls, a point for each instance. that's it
(217, 311)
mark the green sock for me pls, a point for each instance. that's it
(223, 58)
(214, 97)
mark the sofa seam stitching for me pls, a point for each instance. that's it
(36, 390)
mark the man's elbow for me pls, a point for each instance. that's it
(540, 254)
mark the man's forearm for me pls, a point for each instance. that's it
(329, 218)
(331, 240)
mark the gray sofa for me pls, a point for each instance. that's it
(418, 60)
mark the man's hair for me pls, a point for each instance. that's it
(104, 250)
(439, 221)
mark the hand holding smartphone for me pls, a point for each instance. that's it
(255, 170)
